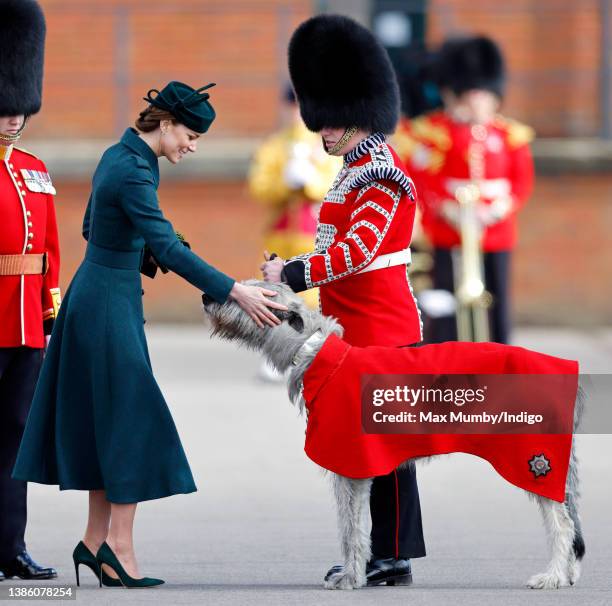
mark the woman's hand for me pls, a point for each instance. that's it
(272, 268)
(255, 302)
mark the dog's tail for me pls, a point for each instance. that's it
(572, 492)
(571, 502)
(578, 545)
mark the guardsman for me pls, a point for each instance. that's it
(468, 141)
(348, 93)
(29, 266)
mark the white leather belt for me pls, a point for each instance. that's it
(489, 188)
(401, 257)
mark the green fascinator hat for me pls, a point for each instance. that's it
(188, 105)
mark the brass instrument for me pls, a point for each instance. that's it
(419, 270)
(473, 300)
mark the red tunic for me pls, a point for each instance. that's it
(28, 227)
(335, 439)
(435, 150)
(368, 212)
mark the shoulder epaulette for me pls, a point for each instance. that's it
(519, 134)
(382, 167)
(25, 151)
(431, 131)
(403, 141)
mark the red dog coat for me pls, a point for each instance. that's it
(336, 441)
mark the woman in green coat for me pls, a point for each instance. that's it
(99, 421)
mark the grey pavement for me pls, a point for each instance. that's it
(261, 529)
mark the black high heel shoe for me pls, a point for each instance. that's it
(106, 556)
(82, 555)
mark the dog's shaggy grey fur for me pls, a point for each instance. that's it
(282, 345)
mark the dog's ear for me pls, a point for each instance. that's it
(296, 321)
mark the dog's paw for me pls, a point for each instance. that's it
(547, 580)
(342, 580)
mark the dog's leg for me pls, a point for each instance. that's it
(561, 531)
(353, 505)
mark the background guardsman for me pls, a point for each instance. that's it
(469, 142)
(29, 266)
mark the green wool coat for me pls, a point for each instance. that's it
(98, 419)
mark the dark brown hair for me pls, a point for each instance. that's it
(149, 119)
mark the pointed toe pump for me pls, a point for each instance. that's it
(82, 555)
(106, 556)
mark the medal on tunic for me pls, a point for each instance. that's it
(38, 181)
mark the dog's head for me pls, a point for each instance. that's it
(230, 321)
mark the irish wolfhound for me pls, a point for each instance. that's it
(292, 346)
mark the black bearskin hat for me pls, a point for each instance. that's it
(342, 76)
(22, 44)
(471, 63)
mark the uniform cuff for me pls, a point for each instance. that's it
(48, 326)
(294, 274)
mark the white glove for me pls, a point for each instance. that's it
(489, 214)
(501, 208)
(298, 172)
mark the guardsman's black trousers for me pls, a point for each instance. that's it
(19, 369)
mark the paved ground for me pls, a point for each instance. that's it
(261, 529)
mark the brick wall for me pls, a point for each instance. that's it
(102, 57)
(564, 260)
(561, 269)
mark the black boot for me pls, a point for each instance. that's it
(388, 570)
(24, 567)
(383, 570)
